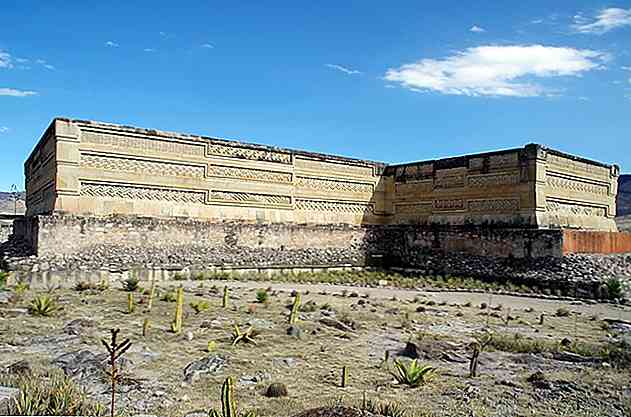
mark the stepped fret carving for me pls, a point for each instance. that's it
(334, 206)
(335, 186)
(250, 174)
(555, 182)
(503, 161)
(334, 167)
(419, 187)
(145, 144)
(138, 166)
(491, 180)
(94, 189)
(494, 205)
(450, 178)
(233, 151)
(574, 209)
(250, 197)
(449, 205)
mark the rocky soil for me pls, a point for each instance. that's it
(175, 375)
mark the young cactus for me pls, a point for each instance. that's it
(145, 327)
(176, 326)
(130, 303)
(295, 308)
(473, 365)
(344, 381)
(224, 302)
(228, 403)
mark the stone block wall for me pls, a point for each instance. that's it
(91, 168)
(98, 169)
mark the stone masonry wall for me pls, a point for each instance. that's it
(91, 168)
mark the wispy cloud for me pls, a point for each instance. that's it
(605, 21)
(4, 129)
(626, 68)
(12, 92)
(149, 50)
(476, 29)
(111, 44)
(207, 45)
(496, 70)
(345, 70)
(5, 60)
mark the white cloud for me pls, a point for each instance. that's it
(629, 80)
(5, 60)
(149, 50)
(4, 129)
(207, 45)
(12, 92)
(496, 70)
(604, 21)
(345, 70)
(625, 68)
(111, 44)
(477, 29)
(21, 60)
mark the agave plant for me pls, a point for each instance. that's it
(43, 305)
(412, 374)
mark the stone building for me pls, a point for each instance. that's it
(97, 188)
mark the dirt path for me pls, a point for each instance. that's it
(507, 301)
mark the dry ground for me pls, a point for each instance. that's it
(310, 366)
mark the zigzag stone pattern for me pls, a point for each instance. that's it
(334, 206)
(574, 209)
(250, 197)
(94, 189)
(250, 174)
(248, 153)
(141, 143)
(494, 205)
(139, 166)
(334, 185)
(489, 180)
(574, 185)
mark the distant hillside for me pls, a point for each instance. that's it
(624, 195)
(7, 205)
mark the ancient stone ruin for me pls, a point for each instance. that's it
(104, 198)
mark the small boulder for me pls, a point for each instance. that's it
(276, 390)
(208, 365)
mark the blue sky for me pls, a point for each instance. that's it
(388, 81)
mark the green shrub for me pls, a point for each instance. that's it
(4, 276)
(169, 297)
(131, 283)
(413, 374)
(49, 393)
(20, 288)
(614, 288)
(262, 296)
(200, 306)
(43, 305)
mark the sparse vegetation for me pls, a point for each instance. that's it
(614, 288)
(412, 374)
(176, 325)
(48, 393)
(228, 403)
(262, 296)
(131, 284)
(199, 306)
(116, 351)
(4, 277)
(239, 336)
(43, 305)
